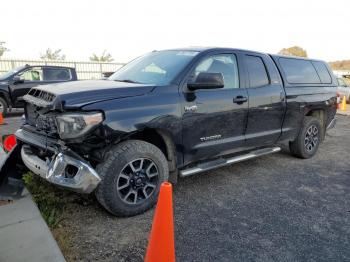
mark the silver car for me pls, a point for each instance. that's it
(343, 89)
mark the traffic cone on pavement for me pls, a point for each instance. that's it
(161, 245)
(343, 104)
(1, 119)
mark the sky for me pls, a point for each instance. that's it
(129, 28)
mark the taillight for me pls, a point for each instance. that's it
(9, 142)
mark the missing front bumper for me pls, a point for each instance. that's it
(62, 170)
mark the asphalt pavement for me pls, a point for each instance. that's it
(11, 123)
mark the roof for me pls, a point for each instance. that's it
(204, 48)
(50, 66)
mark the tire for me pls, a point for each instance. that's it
(3, 106)
(308, 139)
(119, 178)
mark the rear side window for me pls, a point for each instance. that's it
(57, 74)
(299, 71)
(323, 72)
(257, 71)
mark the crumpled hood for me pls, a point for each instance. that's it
(80, 93)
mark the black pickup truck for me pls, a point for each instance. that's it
(173, 113)
(17, 82)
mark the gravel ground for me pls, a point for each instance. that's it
(274, 208)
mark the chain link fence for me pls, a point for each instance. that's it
(85, 70)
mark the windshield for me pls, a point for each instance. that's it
(158, 68)
(11, 72)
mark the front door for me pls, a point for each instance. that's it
(30, 77)
(214, 120)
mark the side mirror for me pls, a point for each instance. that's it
(207, 81)
(17, 80)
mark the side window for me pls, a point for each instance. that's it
(299, 71)
(257, 71)
(57, 74)
(32, 74)
(322, 72)
(226, 64)
(341, 82)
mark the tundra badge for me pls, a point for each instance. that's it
(191, 108)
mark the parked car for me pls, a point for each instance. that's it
(17, 82)
(343, 89)
(173, 113)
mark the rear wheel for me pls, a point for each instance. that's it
(3, 106)
(131, 177)
(308, 140)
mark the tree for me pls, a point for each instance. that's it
(105, 57)
(340, 65)
(3, 49)
(53, 55)
(293, 51)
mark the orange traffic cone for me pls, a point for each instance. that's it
(1, 119)
(161, 245)
(343, 104)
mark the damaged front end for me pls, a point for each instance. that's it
(41, 149)
(56, 164)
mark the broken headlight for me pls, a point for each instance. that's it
(74, 125)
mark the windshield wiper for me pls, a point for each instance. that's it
(127, 81)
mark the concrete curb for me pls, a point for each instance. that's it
(24, 235)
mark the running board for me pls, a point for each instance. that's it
(224, 162)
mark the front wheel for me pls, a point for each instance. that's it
(308, 140)
(131, 177)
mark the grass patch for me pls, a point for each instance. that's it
(52, 203)
(48, 198)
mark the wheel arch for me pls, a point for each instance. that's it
(321, 115)
(159, 138)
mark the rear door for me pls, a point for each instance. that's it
(267, 101)
(214, 120)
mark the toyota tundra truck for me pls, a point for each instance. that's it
(170, 114)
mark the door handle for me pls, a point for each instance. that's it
(240, 99)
